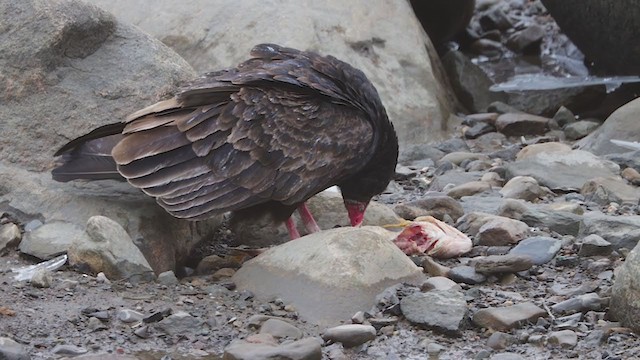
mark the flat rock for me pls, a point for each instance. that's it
(304, 349)
(439, 283)
(330, 275)
(620, 231)
(508, 317)
(49, 240)
(607, 190)
(466, 274)
(580, 303)
(106, 247)
(12, 350)
(438, 206)
(579, 129)
(563, 338)
(555, 219)
(180, 322)
(280, 329)
(622, 124)
(624, 305)
(501, 231)
(350, 335)
(468, 189)
(509, 263)
(514, 124)
(440, 310)
(540, 249)
(595, 245)
(523, 187)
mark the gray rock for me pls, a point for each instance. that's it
(70, 350)
(10, 237)
(507, 356)
(167, 278)
(579, 129)
(558, 169)
(500, 231)
(453, 178)
(581, 303)
(350, 335)
(629, 159)
(620, 231)
(439, 283)
(624, 305)
(466, 274)
(562, 222)
(280, 329)
(106, 247)
(42, 278)
(540, 249)
(468, 189)
(203, 37)
(439, 206)
(440, 310)
(11, 350)
(595, 245)
(525, 188)
(631, 175)
(564, 338)
(564, 116)
(508, 317)
(527, 40)
(49, 240)
(304, 271)
(509, 263)
(517, 124)
(180, 322)
(458, 157)
(607, 190)
(499, 340)
(129, 316)
(305, 349)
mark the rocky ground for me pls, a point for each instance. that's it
(550, 205)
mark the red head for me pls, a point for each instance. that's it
(356, 211)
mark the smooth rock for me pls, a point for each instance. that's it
(555, 219)
(468, 189)
(12, 350)
(499, 340)
(304, 349)
(42, 278)
(350, 335)
(540, 249)
(508, 317)
(612, 189)
(595, 245)
(439, 283)
(453, 178)
(49, 240)
(631, 175)
(438, 206)
(509, 263)
(326, 275)
(466, 274)
(625, 292)
(620, 231)
(106, 247)
(459, 157)
(280, 329)
(507, 356)
(525, 188)
(433, 267)
(514, 124)
(564, 116)
(535, 150)
(10, 237)
(129, 316)
(563, 338)
(180, 322)
(501, 231)
(579, 129)
(167, 278)
(581, 303)
(440, 310)
(70, 350)
(622, 124)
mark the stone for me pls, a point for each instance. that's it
(514, 124)
(466, 274)
(611, 189)
(540, 249)
(525, 188)
(500, 341)
(106, 247)
(439, 206)
(10, 237)
(180, 322)
(70, 350)
(501, 231)
(350, 335)
(564, 338)
(528, 40)
(564, 116)
(458, 157)
(49, 240)
(212, 263)
(304, 271)
(620, 231)
(478, 130)
(508, 317)
(625, 292)
(439, 283)
(631, 175)
(509, 263)
(579, 129)
(534, 150)
(345, 30)
(622, 124)
(42, 278)
(556, 219)
(581, 303)
(304, 349)
(440, 310)
(167, 278)
(129, 316)
(280, 329)
(595, 245)
(468, 189)
(507, 356)
(433, 267)
(12, 350)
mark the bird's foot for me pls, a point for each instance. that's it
(291, 227)
(309, 222)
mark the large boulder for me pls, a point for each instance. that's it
(622, 124)
(68, 67)
(626, 291)
(382, 38)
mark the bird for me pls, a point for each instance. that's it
(258, 139)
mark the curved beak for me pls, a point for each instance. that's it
(356, 210)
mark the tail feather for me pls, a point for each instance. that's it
(89, 157)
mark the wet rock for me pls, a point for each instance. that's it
(540, 249)
(12, 350)
(558, 169)
(499, 340)
(563, 338)
(620, 231)
(514, 124)
(350, 335)
(70, 350)
(441, 310)
(508, 317)
(167, 278)
(581, 303)
(501, 231)
(527, 41)
(129, 316)
(466, 274)
(106, 247)
(468, 189)
(280, 329)
(564, 117)
(42, 279)
(301, 272)
(180, 322)
(525, 188)
(49, 240)
(438, 206)
(305, 349)
(510, 263)
(607, 190)
(579, 129)
(10, 237)
(439, 283)
(595, 245)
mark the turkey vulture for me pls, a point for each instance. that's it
(260, 138)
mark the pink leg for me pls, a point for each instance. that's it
(307, 219)
(291, 226)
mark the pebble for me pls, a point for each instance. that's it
(590, 301)
(433, 267)
(280, 329)
(168, 278)
(350, 335)
(11, 350)
(441, 310)
(129, 316)
(564, 116)
(523, 187)
(101, 278)
(439, 283)
(499, 340)
(540, 249)
(142, 332)
(180, 322)
(70, 350)
(509, 263)
(508, 317)
(42, 278)
(579, 129)
(358, 318)
(595, 245)
(466, 274)
(10, 236)
(94, 324)
(563, 338)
